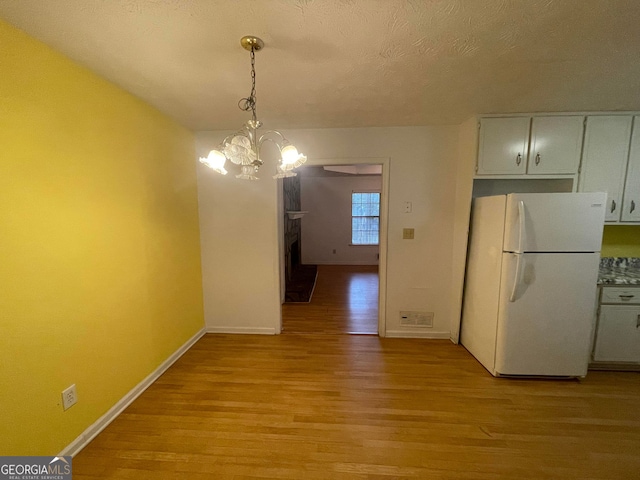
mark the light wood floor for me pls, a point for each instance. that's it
(345, 300)
(330, 406)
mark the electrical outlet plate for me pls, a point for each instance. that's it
(69, 396)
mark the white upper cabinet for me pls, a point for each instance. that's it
(604, 160)
(539, 145)
(556, 144)
(503, 146)
(631, 197)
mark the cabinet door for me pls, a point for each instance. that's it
(618, 338)
(604, 161)
(631, 201)
(556, 144)
(503, 146)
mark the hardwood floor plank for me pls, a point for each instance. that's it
(304, 406)
(345, 300)
(334, 406)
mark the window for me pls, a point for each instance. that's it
(365, 218)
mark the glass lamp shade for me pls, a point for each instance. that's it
(215, 161)
(239, 150)
(291, 158)
(289, 154)
(281, 173)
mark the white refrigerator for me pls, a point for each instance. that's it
(531, 282)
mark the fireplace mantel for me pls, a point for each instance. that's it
(295, 214)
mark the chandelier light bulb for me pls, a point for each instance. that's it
(215, 161)
(289, 154)
(291, 158)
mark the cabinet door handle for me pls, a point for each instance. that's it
(518, 159)
(626, 298)
(538, 159)
(633, 206)
(613, 206)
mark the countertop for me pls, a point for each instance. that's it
(619, 271)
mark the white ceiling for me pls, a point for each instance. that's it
(351, 63)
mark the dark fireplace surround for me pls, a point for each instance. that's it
(292, 230)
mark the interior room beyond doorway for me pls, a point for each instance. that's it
(332, 227)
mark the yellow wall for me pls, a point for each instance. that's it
(621, 241)
(100, 277)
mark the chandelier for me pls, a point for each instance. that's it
(243, 147)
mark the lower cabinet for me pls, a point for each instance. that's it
(617, 337)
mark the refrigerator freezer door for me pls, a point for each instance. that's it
(554, 222)
(545, 323)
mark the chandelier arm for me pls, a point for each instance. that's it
(272, 141)
(228, 138)
(264, 137)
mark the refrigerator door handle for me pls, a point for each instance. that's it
(516, 279)
(522, 230)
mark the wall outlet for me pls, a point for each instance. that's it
(69, 396)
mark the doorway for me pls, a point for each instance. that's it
(345, 301)
(349, 291)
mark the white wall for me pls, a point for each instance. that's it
(239, 242)
(239, 228)
(327, 226)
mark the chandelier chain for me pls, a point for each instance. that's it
(249, 103)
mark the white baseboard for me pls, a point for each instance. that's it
(243, 330)
(417, 334)
(344, 262)
(90, 433)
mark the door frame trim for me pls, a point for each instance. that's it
(384, 221)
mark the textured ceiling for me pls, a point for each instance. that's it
(351, 63)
